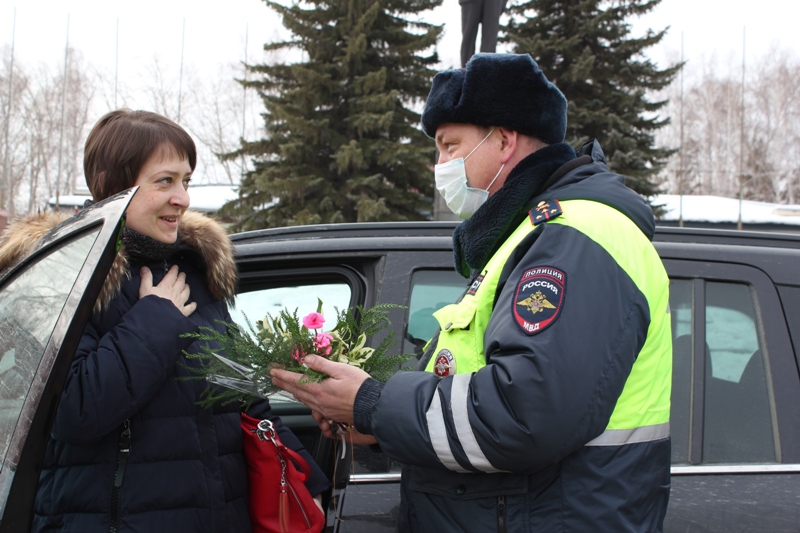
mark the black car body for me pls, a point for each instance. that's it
(735, 300)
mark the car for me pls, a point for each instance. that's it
(735, 301)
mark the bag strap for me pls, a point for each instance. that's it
(298, 459)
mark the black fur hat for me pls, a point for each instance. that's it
(506, 90)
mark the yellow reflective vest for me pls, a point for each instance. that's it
(642, 410)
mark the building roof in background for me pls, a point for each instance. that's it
(719, 210)
(209, 198)
(205, 198)
(701, 209)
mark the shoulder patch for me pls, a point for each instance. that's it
(544, 211)
(539, 298)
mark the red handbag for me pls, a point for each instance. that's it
(278, 500)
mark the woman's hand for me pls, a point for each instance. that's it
(352, 435)
(173, 287)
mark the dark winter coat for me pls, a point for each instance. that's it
(185, 471)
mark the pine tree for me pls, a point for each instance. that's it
(343, 142)
(585, 47)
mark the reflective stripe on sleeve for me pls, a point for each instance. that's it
(438, 433)
(459, 395)
(619, 437)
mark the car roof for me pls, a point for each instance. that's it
(350, 230)
(764, 250)
(402, 231)
(727, 236)
(345, 239)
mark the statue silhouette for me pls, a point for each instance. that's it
(485, 13)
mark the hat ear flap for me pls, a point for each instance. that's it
(443, 100)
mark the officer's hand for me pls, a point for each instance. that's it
(333, 397)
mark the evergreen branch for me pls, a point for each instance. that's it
(243, 358)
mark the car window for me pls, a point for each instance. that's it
(31, 303)
(737, 414)
(430, 290)
(738, 421)
(730, 330)
(256, 304)
(682, 315)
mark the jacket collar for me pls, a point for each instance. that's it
(587, 178)
(475, 240)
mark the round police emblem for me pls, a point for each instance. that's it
(539, 298)
(445, 363)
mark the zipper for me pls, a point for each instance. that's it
(285, 485)
(300, 505)
(122, 460)
(502, 524)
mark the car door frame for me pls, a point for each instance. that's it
(19, 476)
(692, 483)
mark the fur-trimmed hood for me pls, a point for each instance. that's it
(22, 236)
(196, 230)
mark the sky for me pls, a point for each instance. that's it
(121, 39)
(207, 33)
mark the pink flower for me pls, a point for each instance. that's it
(322, 342)
(298, 356)
(313, 320)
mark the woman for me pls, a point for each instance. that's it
(130, 448)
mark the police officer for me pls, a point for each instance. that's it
(544, 404)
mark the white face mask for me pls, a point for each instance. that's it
(451, 181)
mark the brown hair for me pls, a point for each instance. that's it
(121, 143)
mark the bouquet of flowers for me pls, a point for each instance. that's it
(283, 341)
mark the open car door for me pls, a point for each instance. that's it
(45, 301)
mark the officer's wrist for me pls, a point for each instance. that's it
(366, 398)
